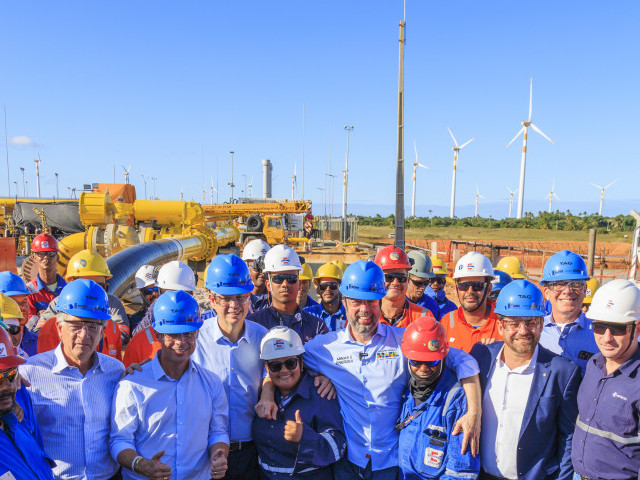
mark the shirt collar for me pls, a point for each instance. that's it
(582, 321)
(218, 336)
(61, 361)
(345, 336)
(158, 371)
(521, 369)
(304, 388)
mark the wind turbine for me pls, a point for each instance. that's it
(293, 181)
(602, 189)
(552, 194)
(525, 126)
(249, 187)
(511, 194)
(456, 149)
(126, 174)
(415, 169)
(478, 196)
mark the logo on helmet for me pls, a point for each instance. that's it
(469, 267)
(44, 244)
(278, 344)
(82, 262)
(534, 306)
(394, 256)
(566, 263)
(285, 260)
(148, 276)
(434, 345)
(588, 294)
(3, 350)
(610, 304)
(524, 296)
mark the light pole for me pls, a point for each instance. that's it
(245, 183)
(348, 129)
(16, 184)
(154, 186)
(37, 161)
(231, 183)
(57, 192)
(145, 186)
(24, 188)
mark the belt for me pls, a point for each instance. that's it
(487, 476)
(236, 446)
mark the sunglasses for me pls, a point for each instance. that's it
(439, 280)
(333, 286)
(14, 329)
(557, 287)
(420, 283)
(529, 323)
(401, 277)
(9, 375)
(279, 278)
(600, 328)
(45, 254)
(419, 363)
(476, 286)
(289, 364)
(149, 291)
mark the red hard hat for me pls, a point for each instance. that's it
(9, 357)
(425, 340)
(44, 243)
(392, 257)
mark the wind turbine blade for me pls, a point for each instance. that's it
(540, 132)
(480, 196)
(514, 138)
(597, 186)
(612, 183)
(295, 166)
(556, 196)
(509, 190)
(454, 138)
(415, 150)
(423, 166)
(466, 143)
(124, 168)
(530, 96)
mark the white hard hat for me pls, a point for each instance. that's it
(176, 275)
(616, 302)
(280, 259)
(473, 264)
(280, 342)
(255, 249)
(146, 276)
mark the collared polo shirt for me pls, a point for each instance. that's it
(574, 340)
(303, 323)
(240, 369)
(40, 295)
(154, 412)
(462, 335)
(334, 321)
(606, 441)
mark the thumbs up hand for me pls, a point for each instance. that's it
(154, 468)
(293, 430)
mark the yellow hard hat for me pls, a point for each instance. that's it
(511, 265)
(86, 263)
(9, 308)
(592, 285)
(340, 264)
(439, 265)
(328, 270)
(306, 273)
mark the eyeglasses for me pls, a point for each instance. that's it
(45, 254)
(616, 329)
(14, 329)
(289, 364)
(279, 278)
(419, 283)
(529, 323)
(401, 277)
(419, 363)
(226, 300)
(180, 336)
(476, 286)
(575, 286)
(333, 286)
(149, 291)
(9, 375)
(439, 280)
(92, 327)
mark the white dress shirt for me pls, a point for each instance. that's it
(74, 412)
(153, 412)
(503, 404)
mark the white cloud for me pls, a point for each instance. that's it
(21, 141)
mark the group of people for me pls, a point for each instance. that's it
(383, 377)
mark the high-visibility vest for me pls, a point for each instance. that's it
(142, 346)
(462, 335)
(411, 313)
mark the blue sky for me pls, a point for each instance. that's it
(172, 87)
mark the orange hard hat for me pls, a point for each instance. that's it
(425, 340)
(391, 257)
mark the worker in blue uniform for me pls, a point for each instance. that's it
(330, 308)
(420, 275)
(306, 436)
(435, 401)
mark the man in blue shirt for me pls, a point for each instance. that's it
(567, 331)
(436, 286)
(419, 276)
(253, 255)
(330, 309)
(154, 431)
(606, 441)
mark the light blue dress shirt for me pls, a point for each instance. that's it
(240, 369)
(74, 412)
(371, 381)
(153, 412)
(574, 340)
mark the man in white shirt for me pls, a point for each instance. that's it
(529, 394)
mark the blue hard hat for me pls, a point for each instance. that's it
(500, 281)
(363, 280)
(85, 299)
(565, 265)
(176, 312)
(520, 298)
(11, 284)
(228, 275)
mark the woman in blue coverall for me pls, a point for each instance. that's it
(307, 435)
(434, 402)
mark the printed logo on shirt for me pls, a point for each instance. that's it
(433, 457)
(344, 359)
(452, 339)
(617, 395)
(387, 354)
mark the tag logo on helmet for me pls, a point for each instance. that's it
(285, 260)
(394, 256)
(566, 263)
(44, 244)
(177, 310)
(610, 304)
(90, 297)
(524, 296)
(3, 350)
(82, 262)
(434, 345)
(278, 344)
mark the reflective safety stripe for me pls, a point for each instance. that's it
(124, 329)
(609, 435)
(273, 469)
(453, 390)
(332, 442)
(451, 318)
(147, 330)
(115, 328)
(460, 474)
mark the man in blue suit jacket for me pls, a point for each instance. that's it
(529, 395)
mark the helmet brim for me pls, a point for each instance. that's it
(360, 294)
(178, 328)
(11, 361)
(230, 290)
(81, 313)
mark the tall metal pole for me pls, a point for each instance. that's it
(37, 161)
(399, 237)
(24, 188)
(523, 164)
(303, 151)
(231, 184)
(413, 194)
(453, 184)
(57, 193)
(348, 129)
(145, 186)
(6, 146)
(154, 187)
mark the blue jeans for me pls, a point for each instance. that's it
(346, 470)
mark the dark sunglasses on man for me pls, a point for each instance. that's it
(616, 329)
(333, 286)
(149, 290)
(400, 277)
(45, 254)
(476, 286)
(279, 278)
(419, 283)
(439, 280)
(14, 329)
